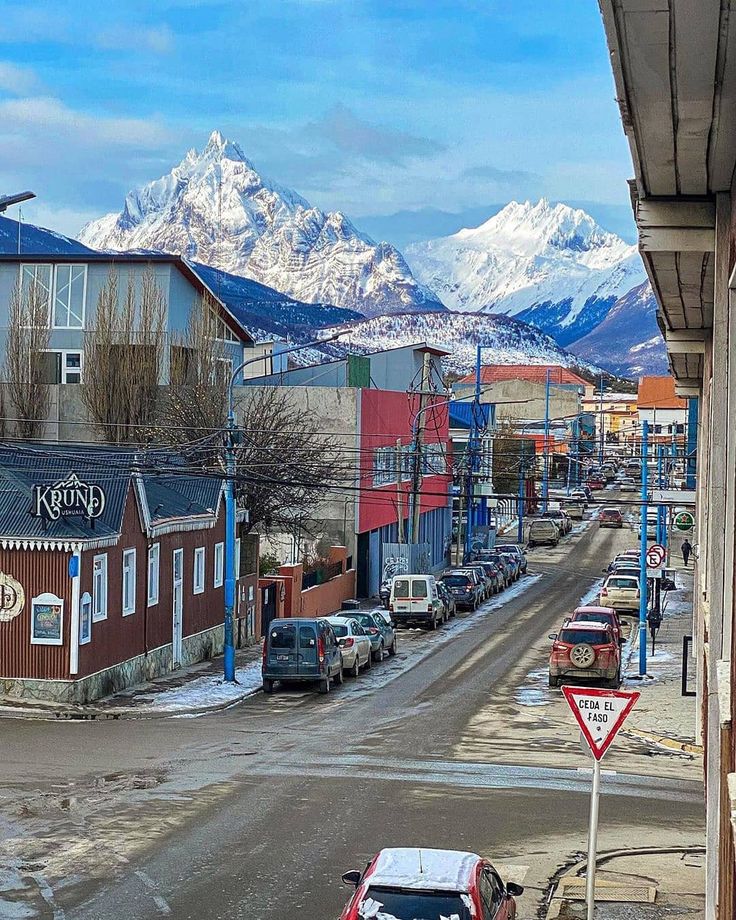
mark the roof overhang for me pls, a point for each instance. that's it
(674, 67)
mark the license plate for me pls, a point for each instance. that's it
(282, 658)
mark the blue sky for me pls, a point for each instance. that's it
(417, 115)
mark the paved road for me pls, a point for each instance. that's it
(255, 812)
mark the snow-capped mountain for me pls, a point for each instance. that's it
(628, 341)
(214, 207)
(546, 264)
(511, 341)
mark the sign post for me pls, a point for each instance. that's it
(600, 714)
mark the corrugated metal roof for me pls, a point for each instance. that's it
(532, 373)
(170, 495)
(659, 393)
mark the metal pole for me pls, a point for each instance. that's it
(398, 465)
(545, 481)
(660, 485)
(522, 497)
(600, 457)
(593, 839)
(643, 552)
(229, 648)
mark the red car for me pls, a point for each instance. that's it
(585, 650)
(405, 883)
(596, 483)
(610, 517)
(599, 615)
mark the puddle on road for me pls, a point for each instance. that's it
(535, 689)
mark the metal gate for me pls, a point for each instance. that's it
(268, 606)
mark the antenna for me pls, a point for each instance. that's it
(421, 867)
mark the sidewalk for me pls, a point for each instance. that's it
(190, 691)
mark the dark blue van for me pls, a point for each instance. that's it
(301, 650)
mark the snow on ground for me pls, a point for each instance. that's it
(207, 691)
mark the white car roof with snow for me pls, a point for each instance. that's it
(411, 867)
(585, 624)
(339, 621)
(594, 609)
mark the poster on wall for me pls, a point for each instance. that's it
(47, 620)
(12, 598)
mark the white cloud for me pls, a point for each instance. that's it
(17, 80)
(158, 39)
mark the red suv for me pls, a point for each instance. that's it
(596, 483)
(599, 615)
(585, 650)
(610, 517)
(407, 882)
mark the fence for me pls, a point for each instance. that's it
(320, 575)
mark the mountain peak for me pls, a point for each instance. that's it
(219, 147)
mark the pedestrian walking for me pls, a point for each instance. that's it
(686, 550)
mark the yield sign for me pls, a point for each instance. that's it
(600, 714)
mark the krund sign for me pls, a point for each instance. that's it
(70, 497)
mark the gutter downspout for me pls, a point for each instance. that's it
(75, 565)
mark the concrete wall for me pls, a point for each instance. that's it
(519, 399)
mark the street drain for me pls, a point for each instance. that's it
(573, 889)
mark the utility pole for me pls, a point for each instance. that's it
(643, 552)
(522, 495)
(545, 480)
(399, 493)
(600, 451)
(420, 425)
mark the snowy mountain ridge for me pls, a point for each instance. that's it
(547, 264)
(214, 207)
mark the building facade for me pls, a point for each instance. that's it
(108, 577)
(674, 66)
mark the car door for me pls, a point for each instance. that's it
(362, 642)
(492, 896)
(307, 655)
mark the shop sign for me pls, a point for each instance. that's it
(47, 620)
(70, 497)
(12, 598)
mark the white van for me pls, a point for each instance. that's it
(414, 600)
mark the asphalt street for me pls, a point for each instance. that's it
(255, 812)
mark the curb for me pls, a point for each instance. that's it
(672, 744)
(92, 714)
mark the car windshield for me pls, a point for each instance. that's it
(456, 581)
(414, 905)
(514, 550)
(622, 583)
(366, 620)
(340, 631)
(593, 617)
(591, 636)
(401, 587)
(283, 636)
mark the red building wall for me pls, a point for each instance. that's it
(385, 416)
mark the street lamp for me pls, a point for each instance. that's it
(229, 647)
(7, 200)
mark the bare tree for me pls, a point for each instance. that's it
(123, 359)
(195, 406)
(28, 337)
(285, 467)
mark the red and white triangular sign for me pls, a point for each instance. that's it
(600, 713)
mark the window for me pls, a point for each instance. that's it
(35, 281)
(128, 582)
(433, 459)
(219, 564)
(70, 287)
(384, 466)
(237, 559)
(99, 588)
(154, 553)
(85, 618)
(61, 366)
(198, 587)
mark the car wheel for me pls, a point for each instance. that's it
(267, 685)
(325, 684)
(355, 670)
(340, 678)
(454, 612)
(378, 655)
(369, 661)
(554, 681)
(392, 648)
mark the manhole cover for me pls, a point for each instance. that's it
(574, 890)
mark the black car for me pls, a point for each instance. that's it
(448, 598)
(514, 549)
(465, 587)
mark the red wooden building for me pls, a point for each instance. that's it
(107, 577)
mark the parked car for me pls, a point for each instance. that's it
(599, 615)
(465, 587)
(574, 508)
(297, 649)
(386, 625)
(563, 522)
(596, 483)
(504, 562)
(621, 592)
(448, 599)
(355, 643)
(581, 495)
(543, 532)
(515, 550)
(585, 650)
(513, 561)
(404, 883)
(611, 517)
(375, 626)
(651, 526)
(485, 577)
(493, 574)
(415, 601)
(626, 567)
(628, 485)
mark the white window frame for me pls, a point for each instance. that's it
(99, 611)
(154, 557)
(219, 565)
(237, 559)
(57, 602)
(85, 637)
(128, 573)
(52, 315)
(198, 570)
(35, 266)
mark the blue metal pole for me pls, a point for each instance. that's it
(691, 442)
(660, 485)
(600, 451)
(545, 480)
(643, 552)
(229, 647)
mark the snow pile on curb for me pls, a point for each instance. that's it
(206, 692)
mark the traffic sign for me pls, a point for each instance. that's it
(655, 556)
(684, 521)
(600, 714)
